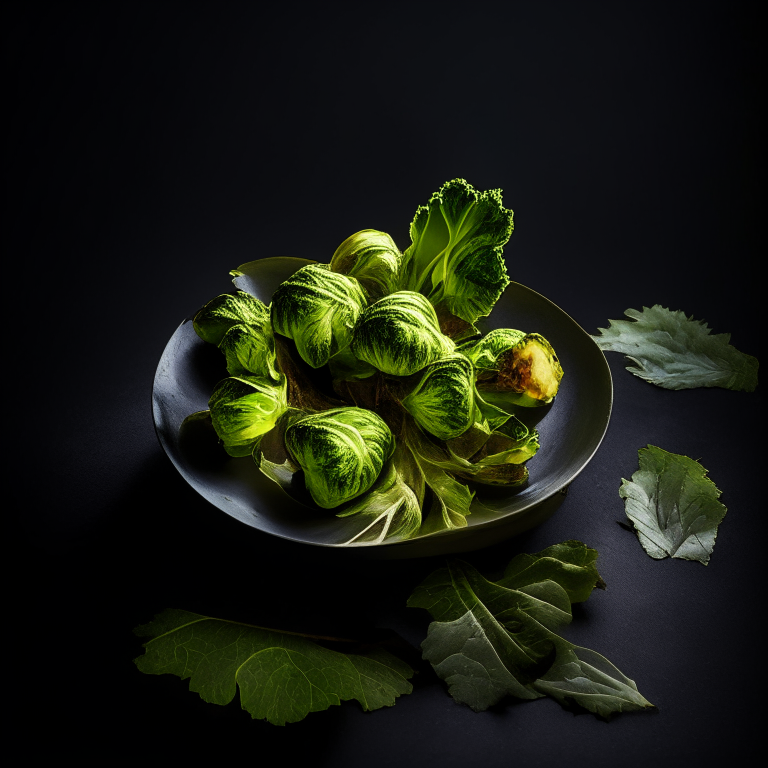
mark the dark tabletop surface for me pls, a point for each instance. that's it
(155, 147)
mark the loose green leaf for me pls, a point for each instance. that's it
(673, 506)
(342, 451)
(491, 640)
(456, 254)
(674, 351)
(221, 313)
(282, 676)
(318, 309)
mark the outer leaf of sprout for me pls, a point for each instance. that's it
(443, 401)
(372, 258)
(250, 351)
(456, 254)
(243, 408)
(485, 352)
(318, 309)
(400, 335)
(221, 313)
(341, 451)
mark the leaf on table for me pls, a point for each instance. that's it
(281, 676)
(490, 639)
(673, 506)
(674, 351)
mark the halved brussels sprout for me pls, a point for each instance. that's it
(400, 335)
(341, 452)
(250, 351)
(525, 370)
(372, 257)
(318, 309)
(484, 353)
(443, 402)
(243, 408)
(221, 313)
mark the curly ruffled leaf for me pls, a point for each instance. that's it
(243, 408)
(673, 505)
(456, 254)
(227, 310)
(250, 350)
(674, 351)
(282, 676)
(318, 309)
(372, 258)
(400, 335)
(342, 451)
(443, 401)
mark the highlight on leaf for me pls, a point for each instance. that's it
(674, 351)
(243, 408)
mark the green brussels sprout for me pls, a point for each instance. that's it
(370, 256)
(221, 313)
(400, 334)
(318, 309)
(341, 451)
(243, 408)
(443, 402)
(250, 351)
(515, 368)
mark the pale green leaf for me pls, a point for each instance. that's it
(282, 676)
(673, 506)
(674, 351)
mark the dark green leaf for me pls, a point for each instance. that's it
(490, 640)
(281, 676)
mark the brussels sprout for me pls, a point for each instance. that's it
(525, 370)
(243, 408)
(318, 309)
(250, 351)
(221, 313)
(400, 335)
(443, 401)
(370, 256)
(341, 452)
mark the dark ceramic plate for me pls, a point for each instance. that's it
(571, 430)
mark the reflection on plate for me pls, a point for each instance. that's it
(571, 430)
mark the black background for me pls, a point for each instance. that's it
(154, 147)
